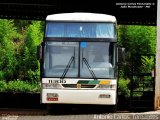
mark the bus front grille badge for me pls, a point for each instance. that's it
(78, 86)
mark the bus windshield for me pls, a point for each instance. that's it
(82, 30)
(79, 59)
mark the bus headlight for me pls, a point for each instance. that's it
(51, 86)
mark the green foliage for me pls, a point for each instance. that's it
(19, 86)
(33, 35)
(3, 86)
(18, 43)
(7, 49)
(147, 64)
(22, 25)
(123, 87)
(33, 38)
(139, 84)
(136, 40)
(1, 75)
(33, 75)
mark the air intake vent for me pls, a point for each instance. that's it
(75, 86)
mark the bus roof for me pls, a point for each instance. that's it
(81, 17)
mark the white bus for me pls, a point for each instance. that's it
(79, 59)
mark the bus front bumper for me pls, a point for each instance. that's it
(99, 97)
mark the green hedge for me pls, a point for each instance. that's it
(19, 86)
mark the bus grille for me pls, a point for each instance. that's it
(75, 86)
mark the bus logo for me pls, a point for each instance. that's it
(78, 85)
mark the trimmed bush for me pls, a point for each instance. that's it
(19, 86)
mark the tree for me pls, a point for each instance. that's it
(33, 38)
(7, 49)
(136, 40)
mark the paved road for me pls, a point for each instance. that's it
(23, 114)
(107, 116)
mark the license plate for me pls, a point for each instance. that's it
(52, 96)
(52, 99)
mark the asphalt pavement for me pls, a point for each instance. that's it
(39, 114)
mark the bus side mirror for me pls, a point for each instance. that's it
(39, 52)
(121, 56)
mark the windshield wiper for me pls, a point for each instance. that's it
(67, 67)
(89, 68)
